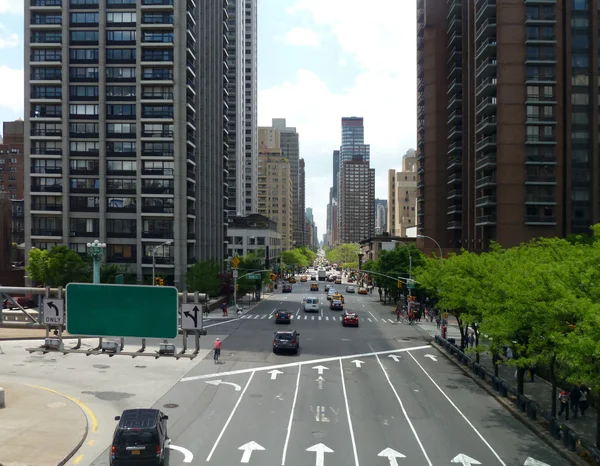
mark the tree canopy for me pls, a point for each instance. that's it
(343, 254)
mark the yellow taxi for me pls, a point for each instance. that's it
(363, 290)
(314, 287)
(338, 297)
(303, 279)
(292, 280)
(338, 281)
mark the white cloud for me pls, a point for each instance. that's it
(302, 37)
(384, 92)
(11, 89)
(12, 6)
(8, 39)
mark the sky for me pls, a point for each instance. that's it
(318, 61)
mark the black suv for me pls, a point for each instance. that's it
(286, 340)
(139, 438)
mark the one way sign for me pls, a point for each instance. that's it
(191, 316)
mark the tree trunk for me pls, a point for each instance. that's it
(598, 423)
(476, 329)
(520, 380)
(495, 360)
(554, 383)
(462, 333)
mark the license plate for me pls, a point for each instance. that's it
(135, 452)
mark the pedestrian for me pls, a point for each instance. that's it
(583, 400)
(224, 308)
(471, 340)
(509, 354)
(531, 373)
(575, 398)
(563, 398)
(438, 321)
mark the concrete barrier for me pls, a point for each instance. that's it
(2, 403)
(17, 315)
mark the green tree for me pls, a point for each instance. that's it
(308, 253)
(204, 278)
(109, 272)
(57, 267)
(344, 253)
(396, 263)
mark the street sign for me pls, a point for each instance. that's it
(122, 310)
(191, 316)
(253, 277)
(54, 311)
(235, 262)
(235, 273)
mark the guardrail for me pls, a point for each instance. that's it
(570, 439)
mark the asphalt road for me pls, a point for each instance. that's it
(372, 395)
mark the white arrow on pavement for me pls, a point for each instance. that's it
(533, 462)
(320, 450)
(216, 383)
(248, 448)
(395, 357)
(187, 455)
(464, 460)
(320, 381)
(358, 363)
(320, 369)
(391, 455)
(274, 373)
(431, 356)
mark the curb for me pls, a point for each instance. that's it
(572, 458)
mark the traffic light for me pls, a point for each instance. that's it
(273, 276)
(159, 281)
(399, 283)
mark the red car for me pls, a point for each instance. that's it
(349, 318)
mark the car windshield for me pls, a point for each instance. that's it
(130, 438)
(337, 302)
(285, 336)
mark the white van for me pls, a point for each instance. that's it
(311, 304)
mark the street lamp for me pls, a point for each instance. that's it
(154, 249)
(438, 244)
(95, 251)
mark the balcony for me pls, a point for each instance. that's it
(540, 17)
(454, 194)
(157, 209)
(485, 143)
(455, 85)
(455, 40)
(455, 70)
(486, 106)
(158, 133)
(454, 163)
(158, 189)
(486, 67)
(540, 79)
(455, 55)
(455, 24)
(158, 171)
(455, 116)
(147, 95)
(46, 188)
(486, 29)
(155, 3)
(46, 207)
(454, 147)
(454, 209)
(542, 140)
(45, 3)
(455, 132)
(454, 8)
(155, 234)
(131, 208)
(540, 220)
(454, 225)
(537, 119)
(539, 58)
(485, 11)
(485, 201)
(543, 159)
(159, 260)
(56, 232)
(46, 170)
(486, 181)
(487, 124)
(540, 179)
(84, 233)
(486, 87)
(540, 199)
(455, 101)
(455, 178)
(485, 162)
(485, 220)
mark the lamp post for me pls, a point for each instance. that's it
(95, 250)
(154, 249)
(437, 244)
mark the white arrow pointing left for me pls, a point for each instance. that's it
(464, 460)
(187, 455)
(274, 373)
(216, 383)
(358, 363)
(431, 356)
(391, 455)
(320, 369)
(248, 448)
(533, 462)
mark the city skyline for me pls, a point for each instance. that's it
(296, 40)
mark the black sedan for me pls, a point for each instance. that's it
(286, 341)
(336, 305)
(282, 316)
(286, 289)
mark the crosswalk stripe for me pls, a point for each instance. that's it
(305, 317)
(319, 317)
(256, 316)
(312, 318)
(326, 317)
(391, 321)
(264, 315)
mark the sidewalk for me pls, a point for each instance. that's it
(539, 390)
(39, 427)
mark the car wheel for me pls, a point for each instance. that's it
(296, 350)
(274, 351)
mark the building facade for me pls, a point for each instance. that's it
(357, 201)
(302, 201)
(242, 120)
(507, 120)
(371, 247)
(402, 196)
(253, 234)
(381, 216)
(122, 145)
(275, 192)
(12, 160)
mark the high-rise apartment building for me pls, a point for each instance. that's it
(275, 192)
(353, 140)
(507, 120)
(357, 201)
(302, 201)
(12, 160)
(241, 33)
(402, 196)
(336, 172)
(124, 130)
(381, 215)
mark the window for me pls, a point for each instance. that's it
(580, 61)
(84, 37)
(580, 99)
(83, 74)
(46, 55)
(118, 110)
(580, 80)
(116, 55)
(84, 18)
(84, 129)
(120, 73)
(120, 36)
(83, 91)
(579, 118)
(580, 5)
(83, 110)
(120, 91)
(89, 55)
(46, 92)
(580, 42)
(124, 147)
(120, 17)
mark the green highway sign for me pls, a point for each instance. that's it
(253, 277)
(122, 310)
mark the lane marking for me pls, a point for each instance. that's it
(300, 363)
(364, 305)
(230, 417)
(85, 409)
(369, 319)
(459, 411)
(263, 316)
(312, 317)
(289, 427)
(305, 317)
(298, 312)
(391, 321)
(78, 459)
(373, 316)
(320, 317)
(412, 428)
(321, 312)
(348, 412)
(91, 442)
(326, 317)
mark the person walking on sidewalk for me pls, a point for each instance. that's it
(583, 400)
(563, 398)
(575, 397)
